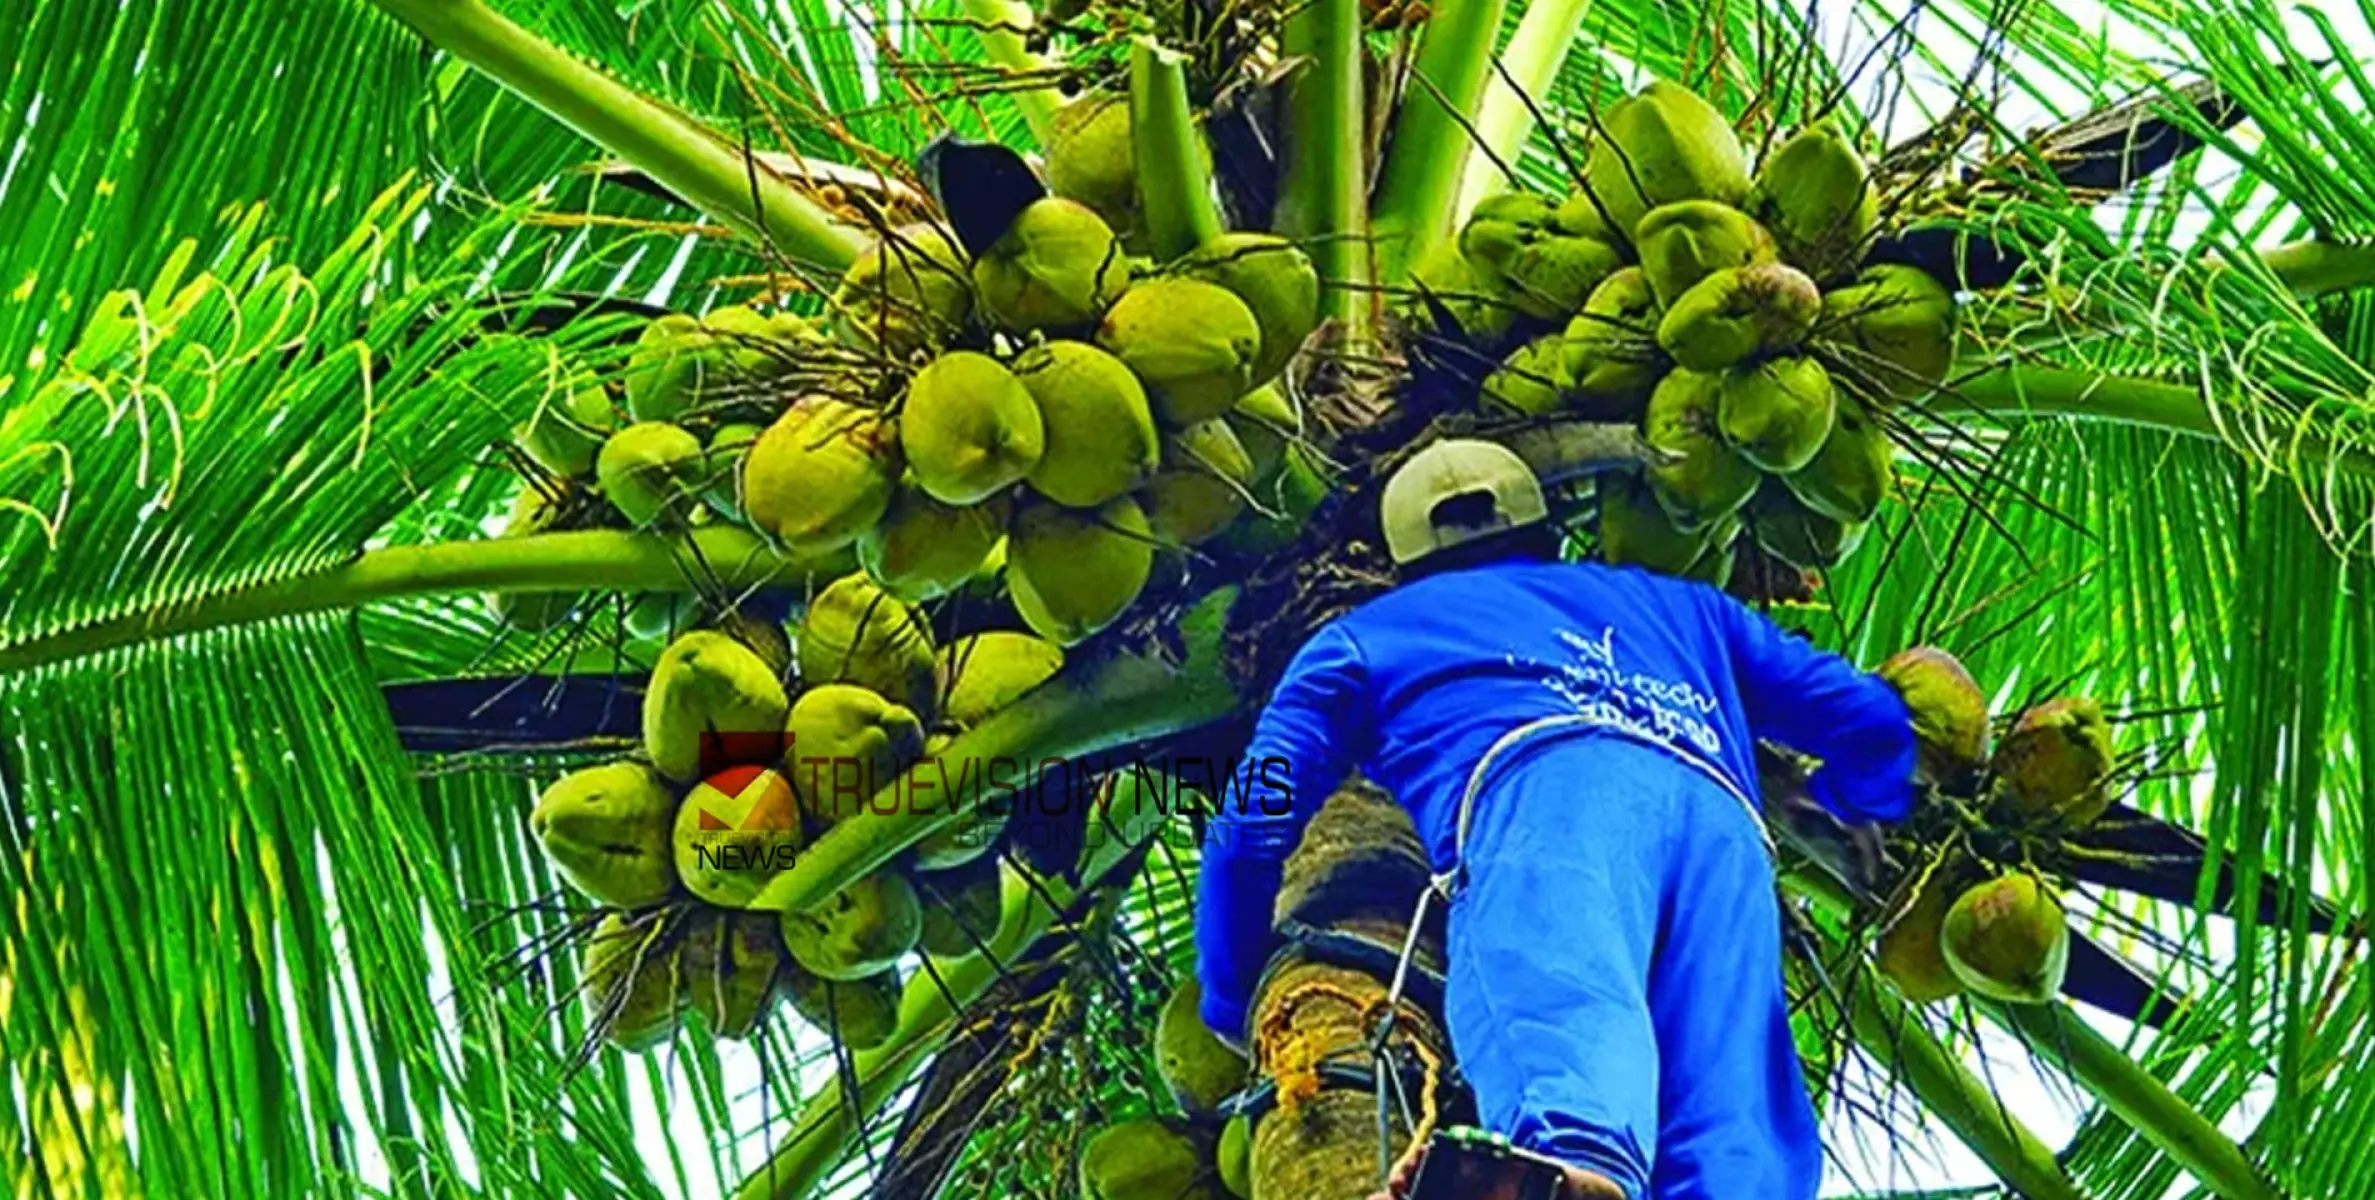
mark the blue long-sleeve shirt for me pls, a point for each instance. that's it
(1415, 686)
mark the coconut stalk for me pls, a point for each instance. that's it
(1323, 192)
(1001, 23)
(931, 1012)
(2018, 390)
(1174, 175)
(1124, 698)
(1430, 145)
(2136, 1097)
(680, 153)
(1529, 64)
(725, 556)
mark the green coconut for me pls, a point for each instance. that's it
(1950, 725)
(1202, 487)
(1551, 276)
(630, 985)
(1199, 1068)
(962, 907)
(1815, 193)
(1498, 229)
(711, 702)
(1057, 267)
(681, 363)
(1635, 529)
(660, 616)
(1910, 952)
(721, 468)
(969, 428)
(1778, 412)
(1681, 244)
(566, 431)
(923, 549)
(2007, 939)
(1263, 420)
(1101, 438)
(1796, 534)
(1611, 356)
(1192, 344)
(1277, 282)
(538, 508)
(990, 670)
(847, 743)
(1234, 1157)
(1074, 572)
(861, 1013)
(908, 293)
(1657, 147)
(1853, 472)
(735, 832)
(606, 830)
(2055, 760)
(1894, 327)
(860, 930)
(1738, 312)
(855, 632)
(1532, 381)
(821, 475)
(1474, 298)
(651, 472)
(1092, 158)
(1146, 1159)
(1706, 480)
(732, 963)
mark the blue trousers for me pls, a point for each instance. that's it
(1615, 993)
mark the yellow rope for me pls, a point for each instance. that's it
(1292, 1063)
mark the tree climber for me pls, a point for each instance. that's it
(1576, 744)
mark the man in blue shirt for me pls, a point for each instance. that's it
(1615, 984)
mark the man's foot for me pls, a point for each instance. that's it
(1581, 1184)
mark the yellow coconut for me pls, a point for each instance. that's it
(606, 830)
(1849, 477)
(1635, 529)
(1681, 244)
(1796, 534)
(860, 1013)
(2008, 939)
(711, 702)
(910, 292)
(721, 469)
(962, 907)
(631, 988)
(862, 930)
(1057, 267)
(1816, 195)
(1910, 953)
(1192, 344)
(1532, 381)
(988, 671)
(1199, 1068)
(1146, 1159)
(1091, 158)
(651, 472)
(1778, 412)
(854, 632)
(1101, 439)
(821, 475)
(1657, 147)
(539, 508)
(923, 549)
(969, 428)
(1074, 572)
(1203, 487)
(847, 743)
(1894, 329)
(731, 964)
(735, 832)
(1551, 276)
(1707, 480)
(2055, 760)
(1949, 711)
(1738, 312)
(1610, 352)
(1277, 282)
(567, 429)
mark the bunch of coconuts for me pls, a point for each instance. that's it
(1190, 1154)
(1732, 314)
(1963, 925)
(750, 751)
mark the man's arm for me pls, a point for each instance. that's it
(1818, 703)
(1308, 738)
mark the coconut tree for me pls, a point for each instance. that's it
(306, 297)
